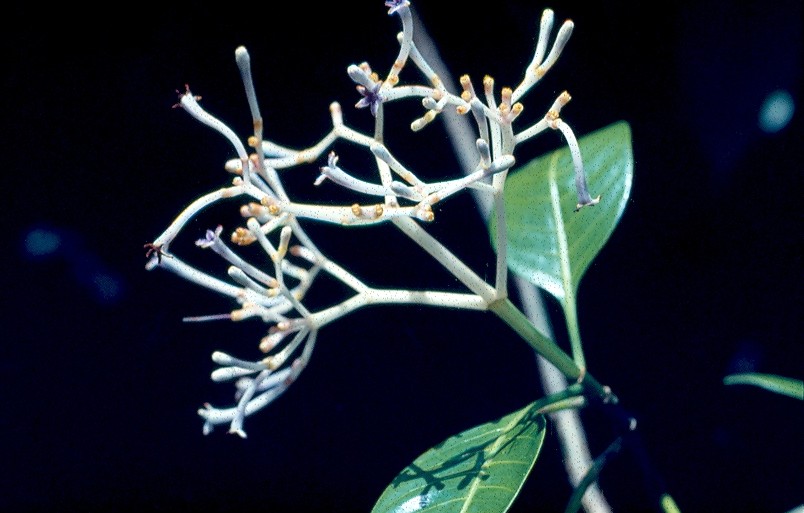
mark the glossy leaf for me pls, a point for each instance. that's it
(779, 384)
(549, 243)
(478, 471)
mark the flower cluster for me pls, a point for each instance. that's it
(399, 196)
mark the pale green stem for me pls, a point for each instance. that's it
(501, 280)
(514, 318)
(568, 303)
(461, 271)
(570, 403)
(574, 331)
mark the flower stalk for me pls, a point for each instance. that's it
(273, 219)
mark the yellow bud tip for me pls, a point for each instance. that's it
(242, 237)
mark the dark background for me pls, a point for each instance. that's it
(100, 379)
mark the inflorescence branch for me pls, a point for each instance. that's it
(400, 196)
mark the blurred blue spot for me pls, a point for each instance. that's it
(746, 358)
(718, 89)
(776, 111)
(106, 286)
(41, 242)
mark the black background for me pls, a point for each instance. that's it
(101, 379)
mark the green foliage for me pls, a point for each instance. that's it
(778, 384)
(482, 470)
(478, 471)
(549, 244)
(668, 504)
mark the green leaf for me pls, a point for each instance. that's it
(549, 243)
(779, 384)
(478, 471)
(668, 504)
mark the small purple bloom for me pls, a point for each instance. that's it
(371, 98)
(209, 238)
(395, 5)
